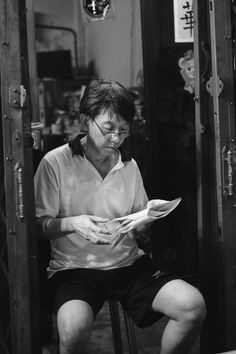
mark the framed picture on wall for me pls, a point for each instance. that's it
(183, 21)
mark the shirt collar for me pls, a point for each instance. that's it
(77, 149)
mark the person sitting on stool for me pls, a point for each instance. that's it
(79, 187)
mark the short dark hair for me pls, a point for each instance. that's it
(109, 96)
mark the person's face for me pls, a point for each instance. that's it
(107, 132)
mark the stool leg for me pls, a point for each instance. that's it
(116, 327)
(129, 325)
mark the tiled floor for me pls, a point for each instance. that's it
(148, 339)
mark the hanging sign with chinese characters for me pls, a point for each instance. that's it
(183, 20)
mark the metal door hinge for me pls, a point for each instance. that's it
(219, 86)
(17, 96)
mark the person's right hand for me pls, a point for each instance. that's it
(92, 228)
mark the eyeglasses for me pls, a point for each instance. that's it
(109, 134)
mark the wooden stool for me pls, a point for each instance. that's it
(116, 329)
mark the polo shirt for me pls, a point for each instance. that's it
(67, 184)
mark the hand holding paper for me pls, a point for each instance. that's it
(156, 209)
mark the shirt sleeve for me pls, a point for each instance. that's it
(46, 190)
(140, 196)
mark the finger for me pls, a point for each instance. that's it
(101, 230)
(98, 218)
(103, 243)
(91, 237)
(99, 241)
(101, 238)
(126, 222)
(117, 230)
(126, 228)
(121, 218)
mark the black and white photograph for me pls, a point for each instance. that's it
(117, 177)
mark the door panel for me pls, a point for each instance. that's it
(212, 243)
(18, 173)
(224, 124)
(215, 126)
(208, 259)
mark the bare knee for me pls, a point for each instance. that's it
(74, 326)
(181, 302)
(193, 309)
(73, 335)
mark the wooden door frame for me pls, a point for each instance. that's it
(214, 120)
(223, 101)
(18, 168)
(209, 260)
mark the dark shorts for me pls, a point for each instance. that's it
(134, 286)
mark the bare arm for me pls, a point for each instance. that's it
(91, 228)
(52, 228)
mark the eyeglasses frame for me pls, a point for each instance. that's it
(127, 134)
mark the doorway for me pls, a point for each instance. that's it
(172, 156)
(206, 232)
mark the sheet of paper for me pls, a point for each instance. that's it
(156, 209)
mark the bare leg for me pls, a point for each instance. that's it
(75, 322)
(185, 307)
